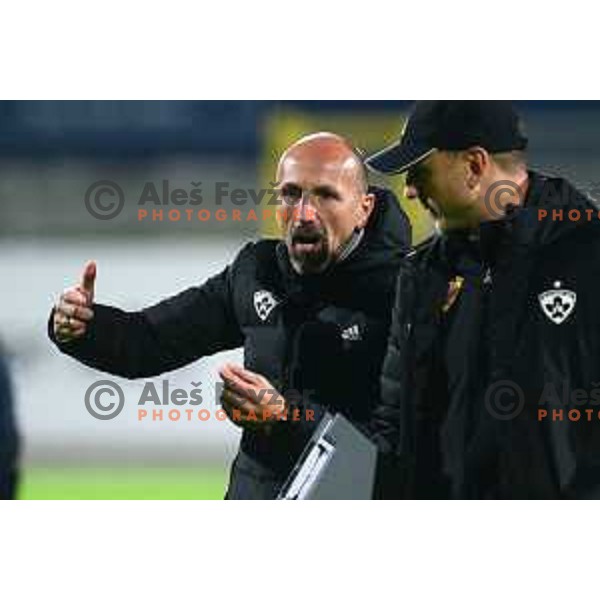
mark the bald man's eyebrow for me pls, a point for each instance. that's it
(326, 191)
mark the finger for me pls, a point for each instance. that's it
(227, 375)
(89, 298)
(66, 331)
(82, 313)
(65, 322)
(231, 369)
(244, 405)
(72, 299)
(231, 402)
(60, 319)
(65, 319)
(72, 330)
(234, 399)
(75, 296)
(88, 278)
(75, 311)
(248, 376)
(254, 394)
(256, 391)
(245, 377)
(234, 382)
(224, 371)
(78, 327)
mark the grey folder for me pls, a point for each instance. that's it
(337, 464)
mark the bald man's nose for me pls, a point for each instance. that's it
(306, 211)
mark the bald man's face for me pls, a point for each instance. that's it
(323, 201)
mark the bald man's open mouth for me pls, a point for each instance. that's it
(309, 248)
(307, 239)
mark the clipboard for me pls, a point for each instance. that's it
(338, 463)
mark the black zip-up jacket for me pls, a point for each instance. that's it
(541, 352)
(323, 336)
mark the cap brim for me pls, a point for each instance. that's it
(397, 158)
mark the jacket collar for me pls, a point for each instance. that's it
(523, 229)
(532, 224)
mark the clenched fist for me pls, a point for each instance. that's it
(73, 311)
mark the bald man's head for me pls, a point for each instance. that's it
(323, 186)
(330, 151)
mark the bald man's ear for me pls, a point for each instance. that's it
(365, 208)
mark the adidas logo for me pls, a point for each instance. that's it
(352, 334)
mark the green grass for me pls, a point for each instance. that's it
(115, 483)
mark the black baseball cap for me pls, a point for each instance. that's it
(451, 125)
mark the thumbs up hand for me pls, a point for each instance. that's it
(73, 311)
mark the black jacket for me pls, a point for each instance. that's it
(325, 336)
(532, 363)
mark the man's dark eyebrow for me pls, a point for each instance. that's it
(325, 190)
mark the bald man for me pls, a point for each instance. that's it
(312, 312)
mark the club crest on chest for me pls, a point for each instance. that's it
(558, 303)
(264, 303)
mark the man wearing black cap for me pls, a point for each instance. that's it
(491, 384)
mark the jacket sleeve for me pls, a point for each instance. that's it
(197, 322)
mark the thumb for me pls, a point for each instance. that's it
(88, 278)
